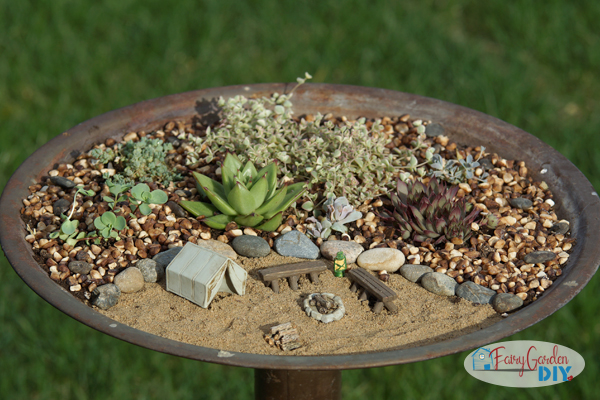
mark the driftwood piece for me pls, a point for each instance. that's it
(374, 287)
(292, 272)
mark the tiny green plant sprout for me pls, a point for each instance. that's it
(118, 191)
(108, 223)
(431, 211)
(68, 229)
(141, 197)
(246, 196)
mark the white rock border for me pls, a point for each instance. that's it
(312, 312)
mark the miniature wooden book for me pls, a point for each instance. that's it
(198, 274)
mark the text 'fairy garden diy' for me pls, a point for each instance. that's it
(206, 232)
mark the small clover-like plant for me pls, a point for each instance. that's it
(68, 229)
(108, 223)
(141, 197)
(67, 232)
(118, 191)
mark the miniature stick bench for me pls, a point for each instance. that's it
(374, 287)
(292, 272)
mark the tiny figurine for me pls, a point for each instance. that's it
(339, 264)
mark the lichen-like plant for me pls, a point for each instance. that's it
(338, 213)
(246, 196)
(431, 211)
(141, 161)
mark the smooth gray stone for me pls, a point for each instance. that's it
(521, 202)
(177, 210)
(151, 270)
(414, 272)
(475, 293)
(538, 257)
(505, 302)
(351, 250)
(432, 130)
(164, 258)
(560, 228)
(439, 283)
(251, 246)
(62, 182)
(80, 267)
(106, 296)
(296, 244)
(61, 206)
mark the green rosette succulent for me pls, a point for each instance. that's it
(431, 211)
(246, 196)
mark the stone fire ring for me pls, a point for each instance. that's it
(312, 312)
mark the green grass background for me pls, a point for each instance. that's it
(532, 64)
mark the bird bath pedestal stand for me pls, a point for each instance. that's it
(316, 377)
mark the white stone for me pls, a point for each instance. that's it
(381, 259)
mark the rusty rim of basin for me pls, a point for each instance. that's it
(574, 196)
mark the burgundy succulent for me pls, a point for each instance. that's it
(431, 211)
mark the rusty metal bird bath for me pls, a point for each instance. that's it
(304, 377)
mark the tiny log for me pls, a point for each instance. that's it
(290, 346)
(290, 331)
(281, 327)
(289, 338)
(363, 296)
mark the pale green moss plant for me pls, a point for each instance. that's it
(346, 158)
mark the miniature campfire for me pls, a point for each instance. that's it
(324, 307)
